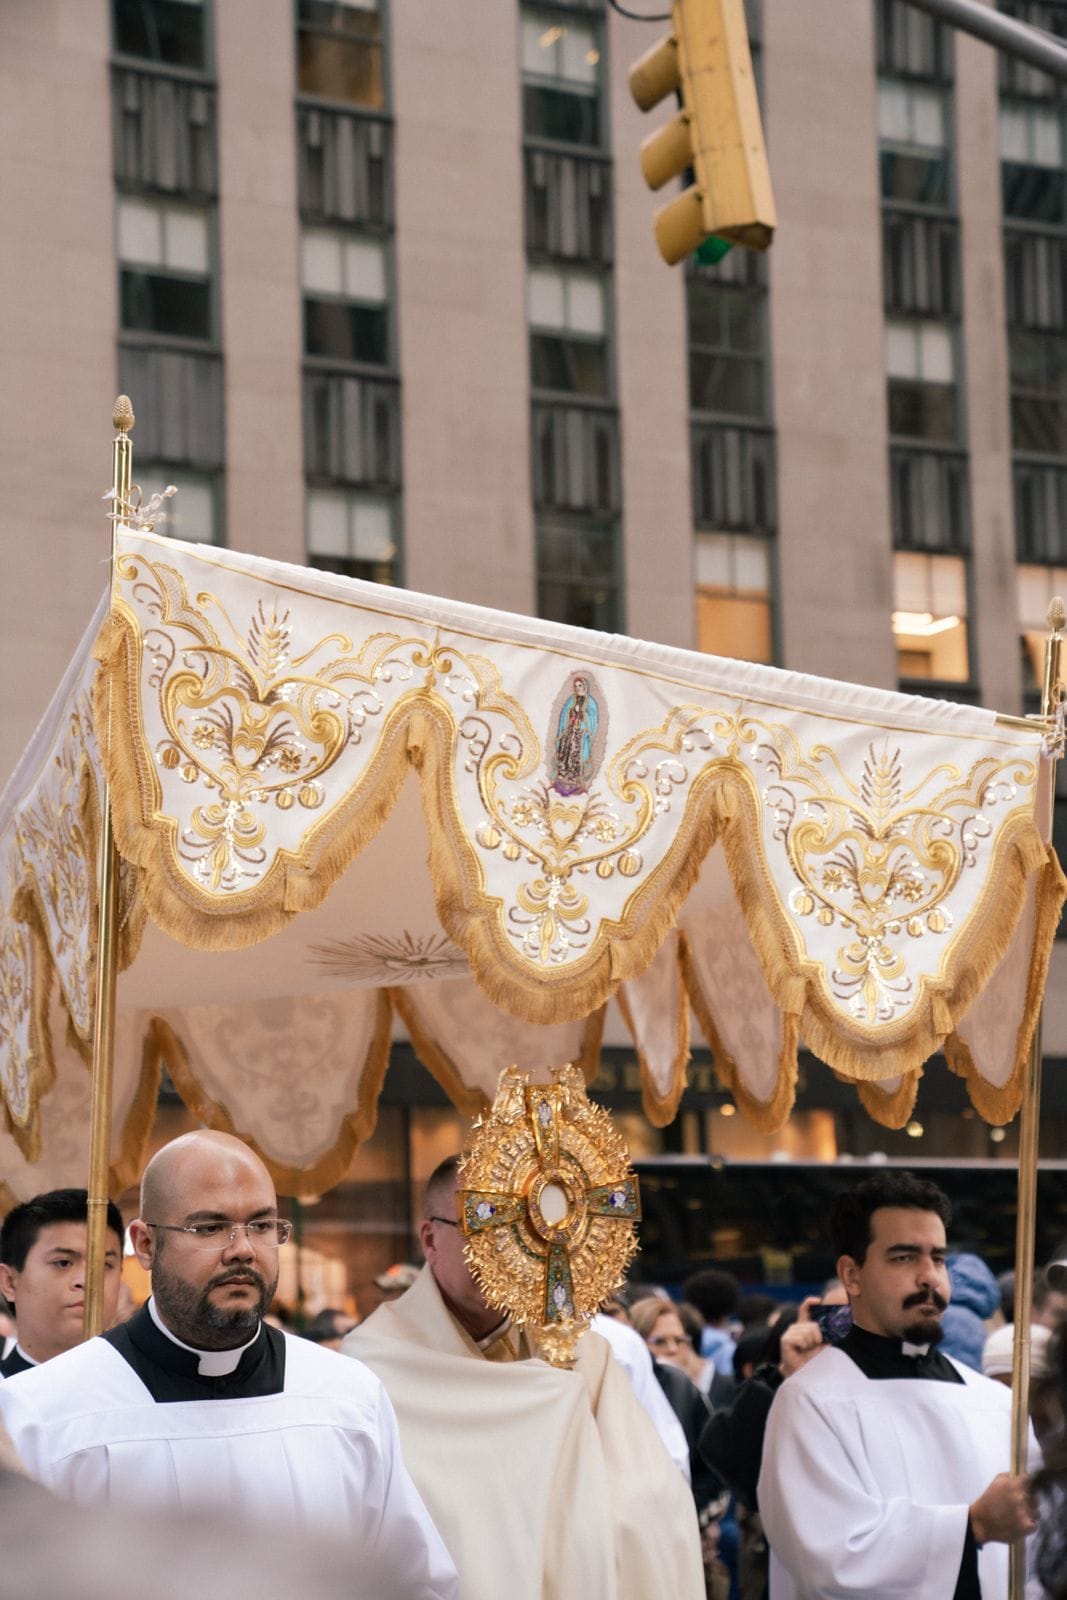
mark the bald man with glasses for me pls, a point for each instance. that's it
(197, 1405)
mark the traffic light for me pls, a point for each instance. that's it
(717, 132)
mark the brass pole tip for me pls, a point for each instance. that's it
(1057, 616)
(122, 416)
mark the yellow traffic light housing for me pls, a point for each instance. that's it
(717, 132)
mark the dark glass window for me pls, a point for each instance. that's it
(914, 179)
(1036, 193)
(154, 302)
(725, 347)
(172, 32)
(560, 114)
(569, 365)
(1039, 425)
(346, 332)
(922, 411)
(353, 567)
(339, 53)
(577, 575)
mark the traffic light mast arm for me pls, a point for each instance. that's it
(1005, 33)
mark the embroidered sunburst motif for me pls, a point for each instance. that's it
(377, 958)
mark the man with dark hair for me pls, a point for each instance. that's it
(195, 1405)
(543, 1482)
(884, 1461)
(42, 1274)
(716, 1296)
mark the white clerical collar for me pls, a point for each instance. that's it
(499, 1332)
(213, 1363)
(907, 1349)
(25, 1356)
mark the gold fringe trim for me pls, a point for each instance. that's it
(661, 1109)
(146, 839)
(420, 731)
(473, 1102)
(40, 1063)
(436, 1060)
(891, 1110)
(327, 1169)
(765, 1115)
(592, 1038)
(897, 1049)
(1000, 1104)
(623, 949)
(127, 1163)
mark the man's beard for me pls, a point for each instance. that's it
(193, 1316)
(927, 1328)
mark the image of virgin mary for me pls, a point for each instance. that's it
(579, 718)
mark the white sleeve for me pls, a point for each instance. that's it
(831, 1527)
(406, 1556)
(635, 1358)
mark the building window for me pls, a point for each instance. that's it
(1035, 587)
(733, 575)
(577, 575)
(1032, 161)
(193, 513)
(921, 369)
(930, 617)
(351, 533)
(726, 356)
(913, 154)
(1038, 391)
(164, 269)
(170, 32)
(346, 312)
(561, 74)
(568, 334)
(339, 51)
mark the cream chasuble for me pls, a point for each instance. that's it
(545, 1484)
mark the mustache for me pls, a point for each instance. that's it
(925, 1297)
(236, 1274)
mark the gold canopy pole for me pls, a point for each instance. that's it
(106, 946)
(1029, 1128)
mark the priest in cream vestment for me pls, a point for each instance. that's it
(544, 1484)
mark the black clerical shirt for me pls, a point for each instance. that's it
(171, 1373)
(14, 1362)
(877, 1358)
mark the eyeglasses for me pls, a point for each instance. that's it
(267, 1232)
(663, 1340)
(449, 1222)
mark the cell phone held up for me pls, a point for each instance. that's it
(834, 1321)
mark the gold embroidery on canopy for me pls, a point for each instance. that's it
(27, 1068)
(258, 726)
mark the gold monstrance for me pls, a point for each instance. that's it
(548, 1202)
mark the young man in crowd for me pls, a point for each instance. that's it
(42, 1274)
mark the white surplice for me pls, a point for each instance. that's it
(866, 1483)
(322, 1455)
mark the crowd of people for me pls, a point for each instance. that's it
(713, 1445)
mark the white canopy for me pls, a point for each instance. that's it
(336, 802)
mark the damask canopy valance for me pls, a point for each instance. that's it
(342, 807)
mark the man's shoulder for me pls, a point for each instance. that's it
(828, 1370)
(312, 1366)
(87, 1377)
